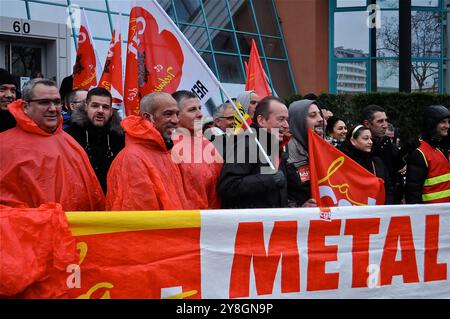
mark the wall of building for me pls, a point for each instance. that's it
(305, 29)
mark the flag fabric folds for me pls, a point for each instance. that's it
(112, 72)
(87, 69)
(161, 59)
(337, 180)
(238, 123)
(256, 77)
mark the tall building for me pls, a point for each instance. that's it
(305, 45)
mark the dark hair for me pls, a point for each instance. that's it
(98, 91)
(263, 107)
(331, 122)
(183, 94)
(70, 97)
(355, 132)
(310, 96)
(369, 111)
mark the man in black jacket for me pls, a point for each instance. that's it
(246, 179)
(374, 117)
(96, 127)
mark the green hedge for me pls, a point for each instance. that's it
(404, 110)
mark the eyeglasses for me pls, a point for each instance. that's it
(253, 102)
(47, 102)
(229, 118)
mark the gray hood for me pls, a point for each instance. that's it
(244, 99)
(298, 145)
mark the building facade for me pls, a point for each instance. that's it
(306, 46)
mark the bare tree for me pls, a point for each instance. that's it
(425, 42)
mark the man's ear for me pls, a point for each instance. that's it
(25, 107)
(148, 116)
(365, 123)
(260, 120)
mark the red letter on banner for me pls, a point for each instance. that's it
(250, 245)
(319, 254)
(399, 231)
(432, 270)
(361, 229)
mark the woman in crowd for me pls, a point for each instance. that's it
(336, 131)
(358, 146)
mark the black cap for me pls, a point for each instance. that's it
(6, 78)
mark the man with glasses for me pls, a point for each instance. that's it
(41, 163)
(73, 100)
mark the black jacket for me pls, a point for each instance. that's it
(248, 184)
(7, 120)
(417, 170)
(94, 140)
(374, 165)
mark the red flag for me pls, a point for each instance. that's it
(112, 73)
(256, 79)
(154, 59)
(87, 66)
(337, 180)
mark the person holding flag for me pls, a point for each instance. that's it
(303, 114)
(246, 181)
(358, 146)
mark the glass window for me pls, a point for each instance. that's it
(266, 17)
(387, 76)
(245, 43)
(223, 41)
(425, 77)
(208, 58)
(351, 77)
(230, 68)
(350, 3)
(92, 4)
(273, 48)
(99, 24)
(387, 35)
(242, 15)
(13, 9)
(189, 11)
(447, 76)
(279, 72)
(392, 4)
(425, 34)
(351, 33)
(120, 6)
(217, 14)
(197, 36)
(41, 12)
(425, 3)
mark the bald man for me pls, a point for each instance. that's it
(143, 175)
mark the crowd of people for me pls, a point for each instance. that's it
(77, 150)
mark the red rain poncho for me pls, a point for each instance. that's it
(37, 167)
(143, 175)
(200, 165)
(36, 248)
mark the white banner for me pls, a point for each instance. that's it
(348, 252)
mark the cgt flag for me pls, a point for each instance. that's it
(256, 77)
(87, 69)
(238, 123)
(112, 73)
(337, 180)
(161, 59)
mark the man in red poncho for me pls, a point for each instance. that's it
(39, 162)
(143, 175)
(199, 161)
